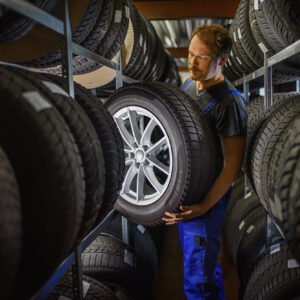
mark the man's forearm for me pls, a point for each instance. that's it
(221, 186)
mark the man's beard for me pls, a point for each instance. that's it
(196, 74)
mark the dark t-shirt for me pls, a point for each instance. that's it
(227, 118)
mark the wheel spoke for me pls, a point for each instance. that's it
(129, 161)
(134, 126)
(127, 137)
(140, 184)
(153, 149)
(152, 179)
(146, 136)
(132, 171)
(159, 165)
(142, 124)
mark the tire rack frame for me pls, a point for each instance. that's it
(64, 28)
(273, 231)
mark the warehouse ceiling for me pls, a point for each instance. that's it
(174, 21)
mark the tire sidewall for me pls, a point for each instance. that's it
(171, 197)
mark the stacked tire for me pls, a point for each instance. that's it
(105, 27)
(263, 27)
(272, 161)
(275, 275)
(54, 146)
(244, 229)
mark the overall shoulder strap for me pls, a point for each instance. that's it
(187, 84)
(219, 97)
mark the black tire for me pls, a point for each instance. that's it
(110, 140)
(266, 140)
(275, 276)
(283, 72)
(48, 169)
(109, 260)
(238, 192)
(14, 25)
(283, 17)
(253, 241)
(132, 66)
(243, 214)
(252, 52)
(184, 125)
(140, 240)
(116, 33)
(256, 117)
(10, 226)
(265, 27)
(287, 189)
(79, 35)
(111, 42)
(88, 145)
(92, 289)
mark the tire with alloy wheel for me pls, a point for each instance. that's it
(168, 147)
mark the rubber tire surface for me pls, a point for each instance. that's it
(48, 169)
(10, 226)
(109, 260)
(88, 145)
(189, 129)
(271, 278)
(14, 25)
(110, 140)
(140, 239)
(95, 291)
(287, 188)
(79, 36)
(238, 222)
(266, 140)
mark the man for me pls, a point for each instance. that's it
(199, 225)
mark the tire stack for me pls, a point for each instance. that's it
(272, 166)
(259, 27)
(272, 161)
(92, 289)
(105, 28)
(244, 229)
(129, 270)
(67, 177)
(267, 268)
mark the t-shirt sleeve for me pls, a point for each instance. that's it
(231, 119)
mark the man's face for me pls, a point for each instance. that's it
(203, 64)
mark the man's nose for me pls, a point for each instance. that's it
(194, 61)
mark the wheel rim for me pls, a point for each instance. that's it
(148, 155)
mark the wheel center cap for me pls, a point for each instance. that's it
(139, 156)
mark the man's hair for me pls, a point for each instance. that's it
(216, 33)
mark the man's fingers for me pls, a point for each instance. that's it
(171, 223)
(178, 215)
(167, 220)
(172, 215)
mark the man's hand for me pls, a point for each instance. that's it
(188, 212)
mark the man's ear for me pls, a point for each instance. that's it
(223, 59)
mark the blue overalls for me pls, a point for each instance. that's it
(200, 242)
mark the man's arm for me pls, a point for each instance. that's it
(233, 149)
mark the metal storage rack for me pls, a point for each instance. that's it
(274, 232)
(64, 28)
